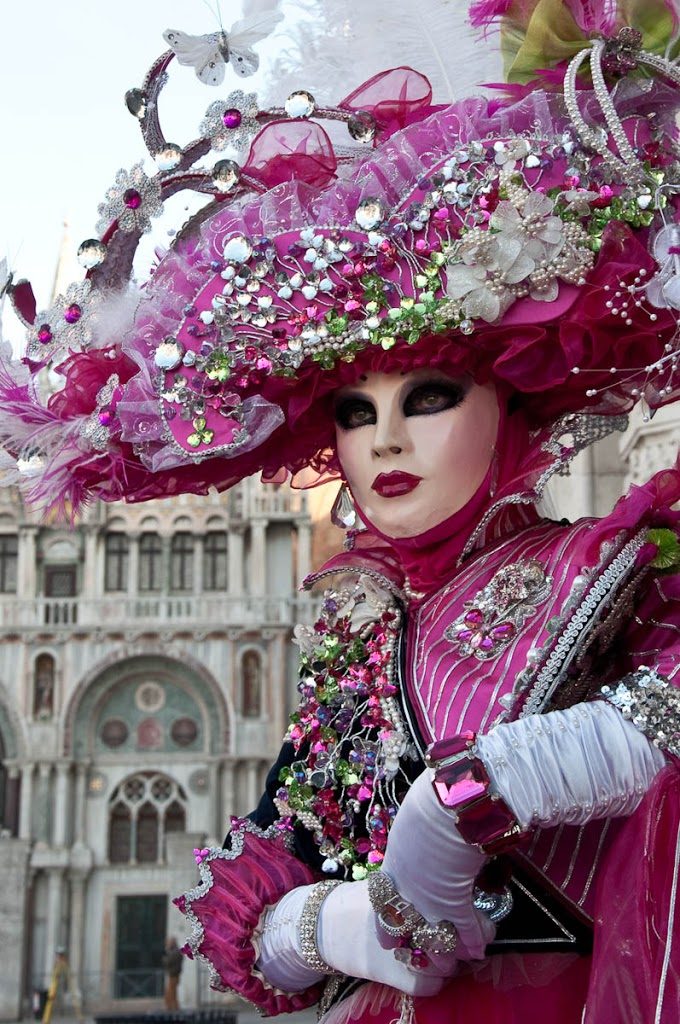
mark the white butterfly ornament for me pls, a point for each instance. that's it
(208, 55)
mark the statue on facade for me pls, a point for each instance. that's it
(476, 807)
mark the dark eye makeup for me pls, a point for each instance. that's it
(354, 412)
(423, 399)
(430, 396)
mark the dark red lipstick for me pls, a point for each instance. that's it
(393, 485)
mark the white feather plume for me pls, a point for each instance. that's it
(335, 45)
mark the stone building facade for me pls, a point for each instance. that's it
(146, 675)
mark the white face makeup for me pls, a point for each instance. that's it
(414, 447)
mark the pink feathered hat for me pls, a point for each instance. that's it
(533, 242)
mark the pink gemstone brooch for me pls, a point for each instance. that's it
(493, 617)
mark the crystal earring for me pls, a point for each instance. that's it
(343, 513)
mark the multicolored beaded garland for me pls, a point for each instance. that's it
(348, 783)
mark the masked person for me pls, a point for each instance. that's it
(475, 808)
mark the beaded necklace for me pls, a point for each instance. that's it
(349, 731)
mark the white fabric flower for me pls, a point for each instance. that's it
(510, 151)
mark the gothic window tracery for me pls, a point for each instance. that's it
(143, 809)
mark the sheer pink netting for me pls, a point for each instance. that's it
(394, 98)
(636, 958)
(292, 151)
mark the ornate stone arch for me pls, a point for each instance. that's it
(178, 665)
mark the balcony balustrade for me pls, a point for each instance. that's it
(191, 610)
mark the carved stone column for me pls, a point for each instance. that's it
(258, 561)
(304, 550)
(53, 936)
(235, 558)
(79, 810)
(27, 582)
(61, 809)
(26, 808)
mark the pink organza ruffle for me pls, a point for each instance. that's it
(636, 958)
(236, 886)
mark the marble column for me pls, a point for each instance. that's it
(61, 808)
(26, 807)
(228, 791)
(92, 580)
(43, 798)
(27, 581)
(235, 558)
(79, 815)
(252, 787)
(304, 546)
(215, 812)
(258, 560)
(53, 931)
(12, 797)
(76, 929)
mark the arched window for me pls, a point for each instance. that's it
(182, 561)
(142, 810)
(116, 568)
(215, 560)
(150, 562)
(43, 686)
(9, 549)
(251, 684)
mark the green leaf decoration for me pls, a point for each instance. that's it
(667, 557)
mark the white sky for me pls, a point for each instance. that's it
(65, 66)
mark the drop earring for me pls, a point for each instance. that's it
(343, 512)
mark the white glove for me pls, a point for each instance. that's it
(434, 868)
(570, 767)
(346, 939)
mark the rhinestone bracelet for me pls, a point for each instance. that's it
(400, 919)
(309, 918)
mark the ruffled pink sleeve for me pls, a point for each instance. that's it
(236, 886)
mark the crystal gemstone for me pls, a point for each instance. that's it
(225, 175)
(362, 126)
(169, 157)
(135, 101)
(132, 199)
(169, 354)
(73, 313)
(91, 253)
(370, 213)
(300, 104)
(238, 249)
(45, 334)
(232, 117)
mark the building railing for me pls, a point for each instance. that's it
(101, 990)
(198, 609)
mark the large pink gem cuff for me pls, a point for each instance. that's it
(462, 785)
